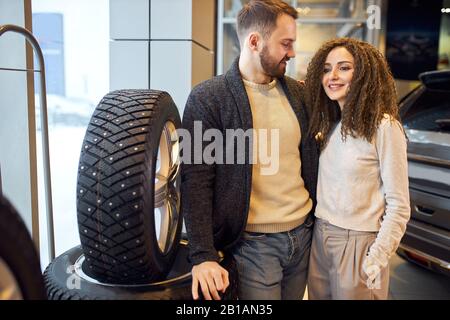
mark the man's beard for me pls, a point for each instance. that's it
(271, 67)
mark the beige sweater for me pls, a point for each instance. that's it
(279, 201)
(364, 186)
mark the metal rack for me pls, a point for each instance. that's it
(44, 127)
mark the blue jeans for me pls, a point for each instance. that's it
(273, 266)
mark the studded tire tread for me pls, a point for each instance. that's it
(115, 187)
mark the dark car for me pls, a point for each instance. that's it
(425, 114)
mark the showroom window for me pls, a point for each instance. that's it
(74, 36)
(318, 21)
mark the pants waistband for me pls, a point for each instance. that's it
(324, 225)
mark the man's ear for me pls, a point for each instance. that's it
(254, 41)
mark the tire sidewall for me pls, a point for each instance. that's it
(167, 111)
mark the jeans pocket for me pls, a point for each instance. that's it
(310, 221)
(253, 236)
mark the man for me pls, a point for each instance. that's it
(263, 220)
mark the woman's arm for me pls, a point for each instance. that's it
(392, 155)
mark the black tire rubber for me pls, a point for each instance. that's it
(64, 283)
(18, 252)
(120, 149)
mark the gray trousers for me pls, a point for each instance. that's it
(335, 266)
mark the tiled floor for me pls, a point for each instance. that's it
(411, 282)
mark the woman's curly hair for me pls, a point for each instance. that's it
(372, 93)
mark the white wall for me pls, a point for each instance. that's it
(159, 49)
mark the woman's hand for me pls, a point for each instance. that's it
(372, 270)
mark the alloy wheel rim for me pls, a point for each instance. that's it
(167, 188)
(9, 286)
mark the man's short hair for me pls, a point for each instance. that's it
(261, 16)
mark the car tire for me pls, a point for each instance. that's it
(65, 280)
(20, 271)
(122, 188)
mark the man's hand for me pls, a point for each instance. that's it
(212, 279)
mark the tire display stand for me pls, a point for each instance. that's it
(20, 271)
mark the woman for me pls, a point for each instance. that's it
(362, 193)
